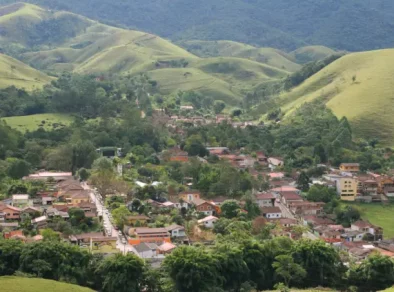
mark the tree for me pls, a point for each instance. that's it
(121, 273)
(192, 269)
(50, 235)
(321, 262)
(120, 216)
(102, 164)
(218, 106)
(303, 182)
(287, 269)
(83, 174)
(373, 274)
(230, 209)
(104, 181)
(195, 147)
(17, 168)
(9, 256)
(318, 193)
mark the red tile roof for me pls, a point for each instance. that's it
(265, 196)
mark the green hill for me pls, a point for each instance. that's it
(18, 284)
(357, 86)
(311, 53)
(61, 41)
(241, 73)
(33, 122)
(273, 57)
(14, 72)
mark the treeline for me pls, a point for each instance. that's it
(83, 95)
(235, 263)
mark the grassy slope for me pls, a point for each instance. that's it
(174, 79)
(240, 72)
(367, 102)
(14, 72)
(380, 215)
(311, 53)
(269, 56)
(33, 122)
(18, 284)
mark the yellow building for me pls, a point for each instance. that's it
(347, 188)
(350, 167)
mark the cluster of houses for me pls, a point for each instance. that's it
(62, 192)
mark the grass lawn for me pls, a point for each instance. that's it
(378, 214)
(33, 122)
(18, 284)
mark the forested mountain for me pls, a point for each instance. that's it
(285, 24)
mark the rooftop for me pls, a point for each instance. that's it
(266, 210)
(208, 218)
(265, 196)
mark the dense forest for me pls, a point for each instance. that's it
(286, 24)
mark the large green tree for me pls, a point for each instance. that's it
(122, 273)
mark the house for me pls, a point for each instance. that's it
(87, 207)
(353, 235)
(276, 175)
(166, 248)
(271, 212)
(20, 200)
(386, 185)
(15, 234)
(53, 212)
(39, 222)
(145, 234)
(11, 212)
(218, 150)
(347, 188)
(389, 191)
(45, 175)
(205, 207)
(176, 230)
(290, 197)
(142, 220)
(349, 167)
(176, 154)
(284, 189)
(287, 222)
(265, 200)
(95, 242)
(208, 222)
(306, 208)
(366, 227)
(31, 211)
(275, 162)
(315, 220)
(219, 200)
(186, 107)
(76, 197)
(261, 158)
(48, 200)
(189, 195)
(146, 250)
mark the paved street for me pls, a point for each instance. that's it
(102, 211)
(287, 214)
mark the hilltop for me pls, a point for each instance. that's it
(18, 74)
(351, 25)
(269, 56)
(357, 86)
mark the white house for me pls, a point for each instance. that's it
(271, 212)
(176, 230)
(20, 200)
(274, 162)
(208, 222)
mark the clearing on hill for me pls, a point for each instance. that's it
(358, 86)
(33, 122)
(19, 284)
(18, 74)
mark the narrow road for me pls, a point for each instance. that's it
(102, 211)
(286, 213)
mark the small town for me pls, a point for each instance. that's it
(196, 146)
